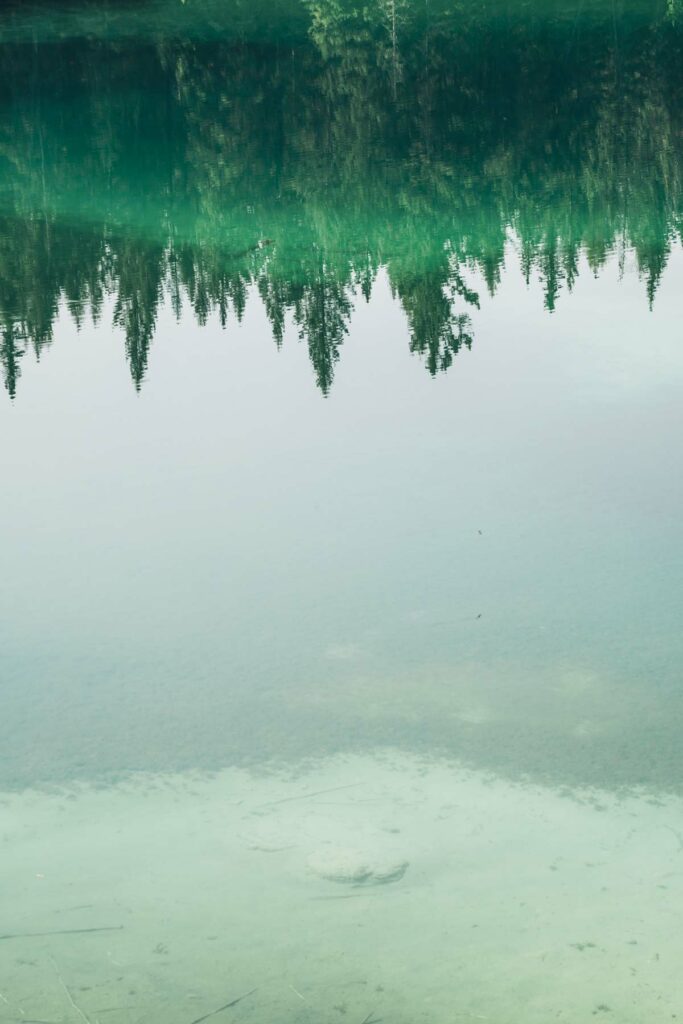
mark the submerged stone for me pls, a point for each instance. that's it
(350, 867)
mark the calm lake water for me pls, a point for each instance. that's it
(341, 583)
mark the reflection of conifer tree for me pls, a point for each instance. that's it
(29, 281)
(651, 262)
(389, 128)
(435, 332)
(139, 272)
(457, 287)
(570, 259)
(174, 283)
(365, 274)
(428, 289)
(322, 313)
(275, 296)
(10, 353)
(550, 272)
(236, 291)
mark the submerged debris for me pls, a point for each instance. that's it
(353, 868)
(62, 931)
(226, 1006)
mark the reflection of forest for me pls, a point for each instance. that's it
(300, 166)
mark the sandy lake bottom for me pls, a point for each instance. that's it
(362, 889)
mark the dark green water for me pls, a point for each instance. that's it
(429, 465)
(197, 149)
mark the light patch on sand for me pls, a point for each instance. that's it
(343, 652)
(578, 682)
(475, 715)
(518, 905)
(588, 730)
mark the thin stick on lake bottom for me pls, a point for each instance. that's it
(226, 1006)
(67, 992)
(62, 931)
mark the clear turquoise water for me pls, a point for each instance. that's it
(342, 360)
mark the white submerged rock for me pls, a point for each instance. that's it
(350, 867)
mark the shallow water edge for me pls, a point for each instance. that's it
(516, 903)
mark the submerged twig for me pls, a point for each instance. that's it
(342, 896)
(30, 1020)
(226, 1006)
(63, 931)
(677, 834)
(67, 992)
(304, 796)
(7, 1003)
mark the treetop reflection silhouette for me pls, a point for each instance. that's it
(193, 167)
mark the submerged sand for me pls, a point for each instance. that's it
(472, 899)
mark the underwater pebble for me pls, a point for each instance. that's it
(351, 867)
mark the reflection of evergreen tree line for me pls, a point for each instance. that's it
(200, 170)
